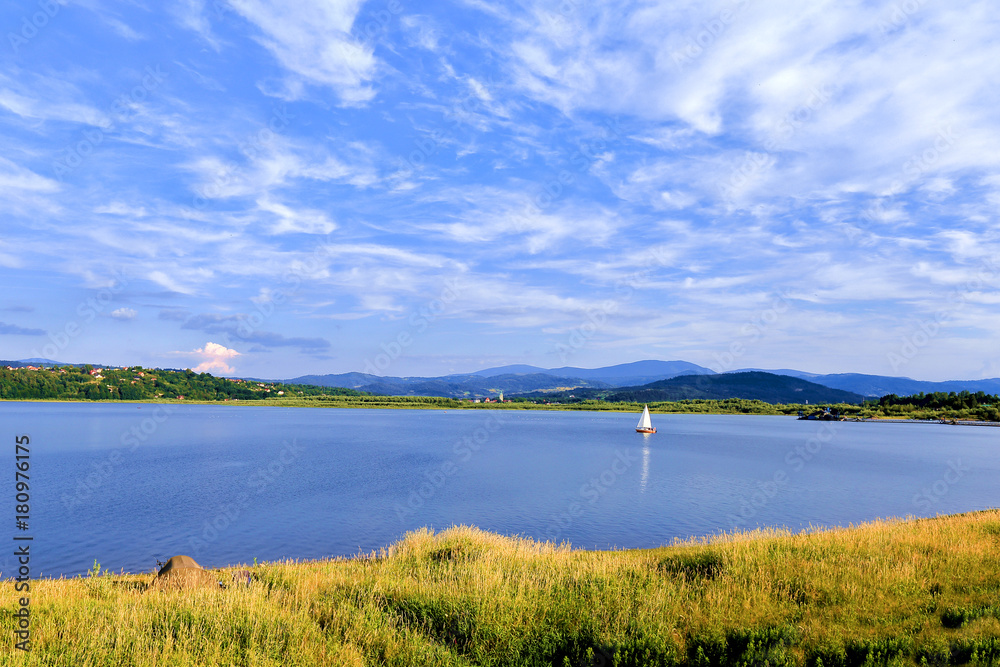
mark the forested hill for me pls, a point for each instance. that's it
(759, 386)
(137, 383)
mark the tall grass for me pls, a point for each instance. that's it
(884, 593)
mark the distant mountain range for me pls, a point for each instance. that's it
(524, 379)
(454, 386)
(881, 385)
(635, 373)
(21, 363)
(511, 380)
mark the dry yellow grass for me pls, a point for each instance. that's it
(887, 592)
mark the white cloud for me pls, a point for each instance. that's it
(123, 29)
(168, 282)
(299, 221)
(513, 221)
(424, 32)
(123, 314)
(819, 80)
(51, 107)
(18, 179)
(844, 195)
(282, 163)
(191, 15)
(215, 358)
(122, 209)
(313, 41)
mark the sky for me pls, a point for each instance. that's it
(270, 189)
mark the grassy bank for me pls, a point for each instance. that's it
(901, 593)
(731, 406)
(734, 406)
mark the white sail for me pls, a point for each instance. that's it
(644, 421)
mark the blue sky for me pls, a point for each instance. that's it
(271, 189)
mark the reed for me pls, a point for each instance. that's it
(890, 592)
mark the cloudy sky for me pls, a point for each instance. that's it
(269, 189)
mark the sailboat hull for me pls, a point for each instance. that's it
(645, 425)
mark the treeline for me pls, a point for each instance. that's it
(138, 384)
(950, 405)
(726, 406)
(87, 383)
(372, 400)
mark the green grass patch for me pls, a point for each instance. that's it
(898, 593)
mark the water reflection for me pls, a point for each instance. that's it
(645, 463)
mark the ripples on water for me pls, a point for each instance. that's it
(229, 484)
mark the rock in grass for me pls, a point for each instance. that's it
(182, 572)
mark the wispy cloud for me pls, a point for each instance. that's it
(36, 97)
(15, 178)
(321, 171)
(314, 43)
(15, 330)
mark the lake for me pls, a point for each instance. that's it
(127, 484)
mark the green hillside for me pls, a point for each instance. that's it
(752, 385)
(138, 384)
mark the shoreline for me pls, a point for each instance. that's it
(414, 403)
(692, 541)
(721, 537)
(889, 591)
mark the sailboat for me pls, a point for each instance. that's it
(645, 425)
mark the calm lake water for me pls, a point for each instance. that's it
(127, 485)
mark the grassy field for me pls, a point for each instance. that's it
(885, 593)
